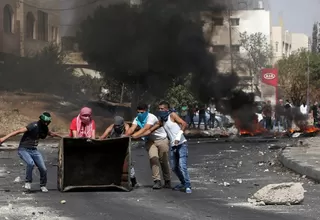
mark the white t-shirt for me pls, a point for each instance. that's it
(158, 134)
(304, 109)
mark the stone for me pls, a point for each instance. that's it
(280, 194)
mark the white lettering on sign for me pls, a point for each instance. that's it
(269, 76)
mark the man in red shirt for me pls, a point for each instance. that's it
(83, 126)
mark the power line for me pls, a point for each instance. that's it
(64, 9)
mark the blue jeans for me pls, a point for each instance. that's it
(178, 158)
(32, 157)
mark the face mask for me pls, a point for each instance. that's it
(85, 119)
(164, 115)
(119, 129)
(43, 129)
(184, 108)
(142, 116)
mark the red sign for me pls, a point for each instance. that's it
(269, 85)
(270, 77)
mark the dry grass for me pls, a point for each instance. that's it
(17, 109)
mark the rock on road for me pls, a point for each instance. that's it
(223, 175)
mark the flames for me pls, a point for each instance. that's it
(252, 129)
(257, 129)
(306, 129)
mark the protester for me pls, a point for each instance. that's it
(314, 110)
(267, 113)
(288, 115)
(171, 122)
(28, 151)
(115, 130)
(279, 114)
(191, 114)
(156, 143)
(184, 111)
(83, 126)
(202, 116)
(212, 112)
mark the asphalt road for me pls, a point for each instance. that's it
(210, 165)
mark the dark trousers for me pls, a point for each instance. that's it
(268, 122)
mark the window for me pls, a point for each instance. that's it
(54, 34)
(218, 48)
(30, 26)
(8, 19)
(42, 26)
(235, 21)
(277, 46)
(217, 21)
(235, 48)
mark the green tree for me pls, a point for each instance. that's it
(293, 75)
(180, 93)
(257, 54)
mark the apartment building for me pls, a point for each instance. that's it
(29, 25)
(225, 36)
(299, 41)
(284, 42)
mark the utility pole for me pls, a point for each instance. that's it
(230, 39)
(308, 81)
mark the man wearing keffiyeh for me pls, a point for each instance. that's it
(83, 126)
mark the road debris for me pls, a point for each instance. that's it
(280, 194)
(63, 201)
(17, 180)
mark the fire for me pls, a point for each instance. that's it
(255, 128)
(309, 129)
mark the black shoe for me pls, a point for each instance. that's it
(133, 182)
(167, 184)
(157, 185)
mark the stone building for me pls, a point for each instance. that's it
(29, 25)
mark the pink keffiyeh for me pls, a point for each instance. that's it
(84, 123)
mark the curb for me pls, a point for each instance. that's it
(300, 167)
(8, 148)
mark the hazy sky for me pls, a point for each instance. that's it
(298, 15)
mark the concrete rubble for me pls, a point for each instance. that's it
(279, 194)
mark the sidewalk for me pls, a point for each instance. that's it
(303, 158)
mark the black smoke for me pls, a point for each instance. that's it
(160, 40)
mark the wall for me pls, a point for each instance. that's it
(30, 46)
(9, 42)
(283, 38)
(277, 39)
(298, 41)
(16, 43)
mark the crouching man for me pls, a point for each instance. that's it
(28, 151)
(170, 121)
(115, 130)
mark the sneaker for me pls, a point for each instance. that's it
(178, 187)
(167, 184)
(27, 186)
(44, 189)
(157, 184)
(188, 190)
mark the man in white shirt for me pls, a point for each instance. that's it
(304, 109)
(174, 126)
(157, 145)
